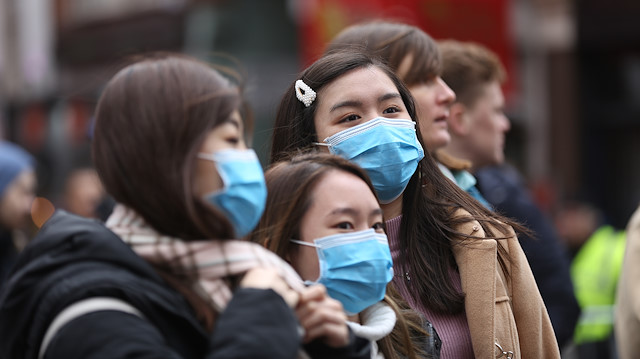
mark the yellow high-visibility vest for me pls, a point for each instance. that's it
(595, 271)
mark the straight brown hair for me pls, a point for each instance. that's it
(151, 120)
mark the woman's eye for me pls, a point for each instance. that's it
(233, 140)
(392, 109)
(350, 118)
(378, 226)
(345, 225)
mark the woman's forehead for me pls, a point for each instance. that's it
(359, 83)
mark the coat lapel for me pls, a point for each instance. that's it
(476, 260)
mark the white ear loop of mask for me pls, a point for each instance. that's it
(303, 243)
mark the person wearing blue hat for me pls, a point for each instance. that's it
(17, 191)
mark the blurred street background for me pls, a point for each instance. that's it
(573, 92)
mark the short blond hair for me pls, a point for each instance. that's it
(467, 66)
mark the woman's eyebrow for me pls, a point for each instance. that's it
(348, 103)
(233, 121)
(344, 210)
(376, 212)
(356, 103)
(389, 96)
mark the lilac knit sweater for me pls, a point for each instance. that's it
(452, 329)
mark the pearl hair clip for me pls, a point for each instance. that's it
(304, 93)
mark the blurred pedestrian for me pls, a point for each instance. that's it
(17, 192)
(595, 270)
(478, 126)
(83, 193)
(164, 278)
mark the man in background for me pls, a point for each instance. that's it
(478, 125)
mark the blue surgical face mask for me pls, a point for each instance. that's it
(243, 196)
(355, 267)
(388, 149)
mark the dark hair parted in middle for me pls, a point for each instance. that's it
(165, 105)
(430, 203)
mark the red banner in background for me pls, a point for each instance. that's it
(482, 21)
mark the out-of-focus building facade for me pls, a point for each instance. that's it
(573, 90)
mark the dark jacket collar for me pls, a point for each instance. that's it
(72, 258)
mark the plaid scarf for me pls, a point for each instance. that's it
(204, 264)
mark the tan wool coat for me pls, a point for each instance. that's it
(502, 309)
(627, 315)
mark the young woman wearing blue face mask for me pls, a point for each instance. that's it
(323, 217)
(164, 278)
(455, 261)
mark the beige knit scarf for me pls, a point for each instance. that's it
(205, 263)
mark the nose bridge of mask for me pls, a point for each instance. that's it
(376, 135)
(364, 127)
(342, 239)
(346, 238)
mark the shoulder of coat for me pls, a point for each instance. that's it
(508, 231)
(472, 228)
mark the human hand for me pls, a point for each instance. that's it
(322, 317)
(267, 278)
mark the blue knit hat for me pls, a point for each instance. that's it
(13, 161)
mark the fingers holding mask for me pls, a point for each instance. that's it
(322, 317)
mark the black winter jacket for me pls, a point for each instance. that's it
(73, 258)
